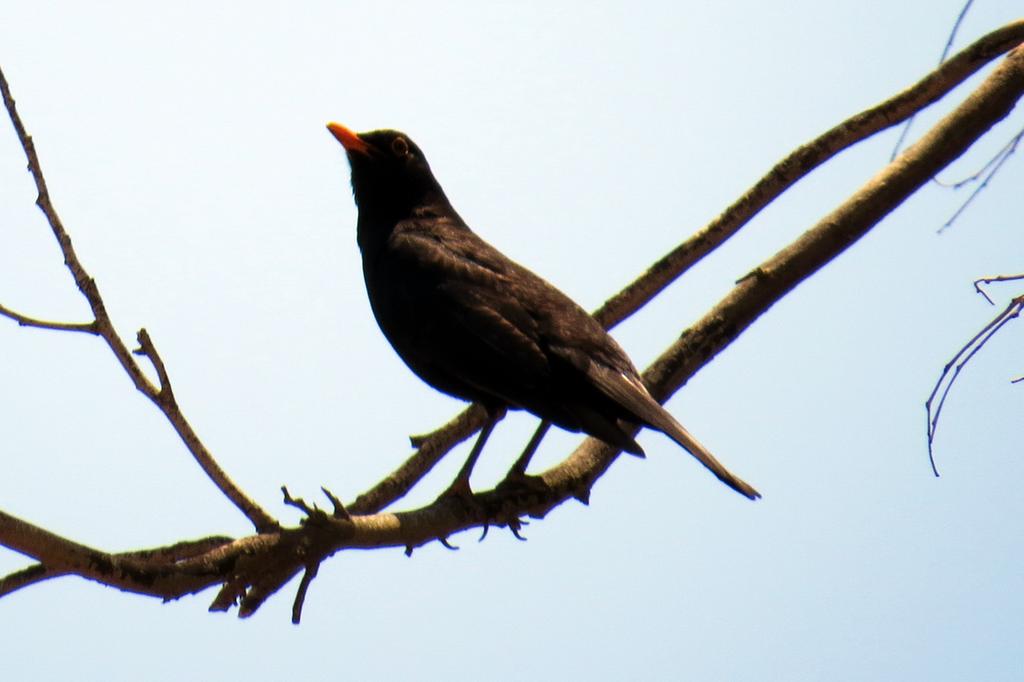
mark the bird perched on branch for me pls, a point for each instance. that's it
(476, 325)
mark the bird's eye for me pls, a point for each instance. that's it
(399, 146)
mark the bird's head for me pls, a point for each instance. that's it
(390, 175)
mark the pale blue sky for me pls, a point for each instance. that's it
(186, 151)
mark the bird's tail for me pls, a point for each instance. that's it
(628, 390)
(674, 430)
(657, 417)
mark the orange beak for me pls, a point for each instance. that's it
(348, 139)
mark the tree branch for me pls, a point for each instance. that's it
(758, 291)
(26, 321)
(952, 369)
(805, 159)
(31, 575)
(102, 326)
(991, 280)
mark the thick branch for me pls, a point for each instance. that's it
(805, 159)
(837, 231)
(161, 572)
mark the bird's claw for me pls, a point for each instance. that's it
(516, 525)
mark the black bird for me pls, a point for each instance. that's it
(476, 325)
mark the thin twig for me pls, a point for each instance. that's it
(340, 511)
(945, 53)
(990, 280)
(952, 370)
(300, 594)
(147, 349)
(103, 327)
(993, 166)
(956, 27)
(296, 502)
(973, 177)
(26, 321)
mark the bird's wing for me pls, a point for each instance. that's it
(511, 351)
(464, 282)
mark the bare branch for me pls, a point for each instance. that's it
(340, 510)
(952, 370)
(805, 159)
(945, 53)
(990, 280)
(989, 170)
(147, 349)
(26, 321)
(297, 502)
(997, 158)
(991, 102)
(956, 28)
(102, 326)
(31, 575)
